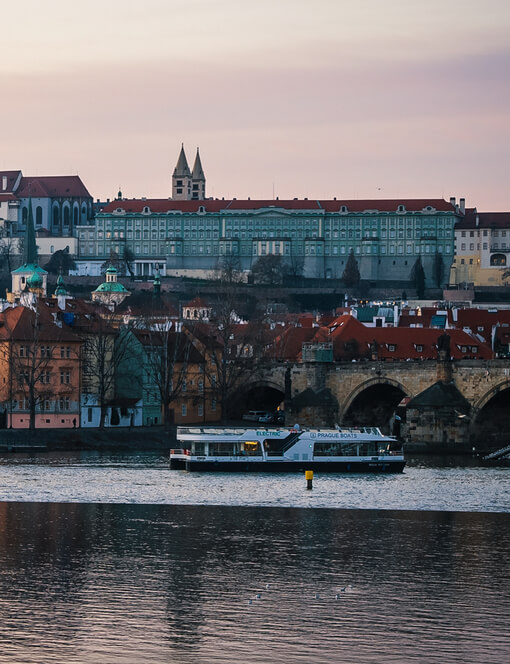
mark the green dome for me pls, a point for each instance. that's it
(111, 287)
(34, 280)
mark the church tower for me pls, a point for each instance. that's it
(181, 179)
(198, 180)
(188, 185)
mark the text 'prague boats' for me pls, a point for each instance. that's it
(361, 450)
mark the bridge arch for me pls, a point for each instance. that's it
(262, 394)
(489, 419)
(373, 402)
(488, 396)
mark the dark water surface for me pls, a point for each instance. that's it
(179, 583)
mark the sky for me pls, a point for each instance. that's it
(354, 99)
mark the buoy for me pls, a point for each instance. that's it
(309, 479)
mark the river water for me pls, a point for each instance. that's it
(115, 558)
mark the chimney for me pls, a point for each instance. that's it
(477, 220)
(4, 182)
(452, 200)
(462, 204)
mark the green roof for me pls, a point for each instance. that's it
(34, 280)
(29, 267)
(111, 287)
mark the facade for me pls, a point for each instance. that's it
(40, 369)
(314, 238)
(60, 203)
(162, 361)
(482, 249)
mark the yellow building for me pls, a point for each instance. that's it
(482, 249)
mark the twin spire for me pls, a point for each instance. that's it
(186, 184)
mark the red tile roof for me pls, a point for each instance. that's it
(18, 323)
(474, 219)
(166, 205)
(64, 186)
(408, 319)
(12, 177)
(198, 303)
(347, 332)
(482, 321)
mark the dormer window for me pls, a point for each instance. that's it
(392, 348)
(146, 209)
(419, 348)
(401, 208)
(201, 209)
(343, 208)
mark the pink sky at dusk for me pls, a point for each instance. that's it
(353, 99)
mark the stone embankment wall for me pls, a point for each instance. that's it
(140, 439)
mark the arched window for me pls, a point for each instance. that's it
(38, 215)
(498, 259)
(24, 215)
(67, 215)
(56, 216)
(76, 215)
(83, 213)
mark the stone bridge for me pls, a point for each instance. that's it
(324, 393)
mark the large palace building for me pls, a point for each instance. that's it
(315, 237)
(189, 235)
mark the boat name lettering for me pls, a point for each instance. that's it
(273, 434)
(336, 435)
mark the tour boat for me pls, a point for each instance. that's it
(349, 450)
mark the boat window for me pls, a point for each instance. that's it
(223, 449)
(235, 448)
(250, 448)
(198, 448)
(332, 448)
(369, 449)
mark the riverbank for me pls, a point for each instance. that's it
(122, 438)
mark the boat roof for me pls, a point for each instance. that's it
(222, 433)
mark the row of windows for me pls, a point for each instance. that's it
(61, 404)
(279, 221)
(45, 377)
(200, 408)
(45, 351)
(485, 233)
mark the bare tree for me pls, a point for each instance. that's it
(9, 250)
(166, 358)
(104, 349)
(32, 357)
(269, 270)
(123, 264)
